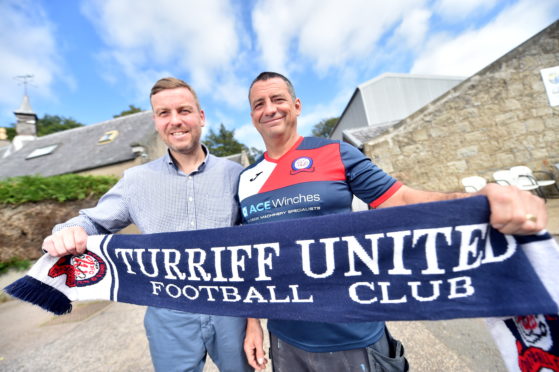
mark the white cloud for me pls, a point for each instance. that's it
(27, 46)
(312, 115)
(461, 9)
(328, 33)
(249, 136)
(413, 29)
(472, 50)
(199, 38)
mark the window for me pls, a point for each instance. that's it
(42, 151)
(107, 137)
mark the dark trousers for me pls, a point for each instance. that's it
(386, 355)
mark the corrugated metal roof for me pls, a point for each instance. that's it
(391, 97)
(78, 148)
(396, 96)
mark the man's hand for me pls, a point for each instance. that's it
(514, 211)
(72, 240)
(254, 340)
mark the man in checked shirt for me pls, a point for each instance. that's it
(186, 189)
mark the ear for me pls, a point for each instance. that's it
(298, 106)
(202, 118)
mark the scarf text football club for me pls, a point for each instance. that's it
(427, 261)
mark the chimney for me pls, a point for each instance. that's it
(26, 124)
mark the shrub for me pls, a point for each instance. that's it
(19, 190)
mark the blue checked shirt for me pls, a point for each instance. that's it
(158, 197)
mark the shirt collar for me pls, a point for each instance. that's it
(171, 161)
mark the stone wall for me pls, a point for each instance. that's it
(498, 118)
(24, 227)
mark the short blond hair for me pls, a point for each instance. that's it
(173, 83)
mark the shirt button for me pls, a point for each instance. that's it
(191, 223)
(190, 199)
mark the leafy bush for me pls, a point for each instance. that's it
(14, 263)
(19, 190)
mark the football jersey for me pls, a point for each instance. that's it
(316, 176)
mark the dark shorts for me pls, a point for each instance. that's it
(386, 355)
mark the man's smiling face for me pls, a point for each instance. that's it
(178, 120)
(273, 110)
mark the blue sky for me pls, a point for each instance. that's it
(91, 59)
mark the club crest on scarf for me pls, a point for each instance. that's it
(81, 271)
(536, 347)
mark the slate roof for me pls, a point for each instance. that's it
(78, 148)
(359, 136)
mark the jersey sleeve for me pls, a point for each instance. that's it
(367, 181)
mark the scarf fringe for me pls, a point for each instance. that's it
(38, 293)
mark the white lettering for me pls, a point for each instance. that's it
(490, 257)
(172, 265)
(238, 262)
(306, 256)
(195, 292)
(273, 296)
(217, 264)
(354, 248)
(174, 288)
(398, 252)
(469, 246)
(265, 259)
(295, 293)
(435, 284)
(461, 287)
(208, 289)
(194, 266)
(353, 293)
(431, 247)
(230, 294)
(156, 288)
(139, 258)
(124, 252)
(253, 293)
(386, 297)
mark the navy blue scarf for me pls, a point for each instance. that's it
(427, 261)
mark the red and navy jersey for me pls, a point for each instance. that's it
(317, 176)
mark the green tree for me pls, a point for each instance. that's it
(324, 128)
(54, 123)
(253, 154)
(48, 124)
(131, 110)
(223, 143)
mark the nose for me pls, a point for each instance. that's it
(174, 118)
(269, 108)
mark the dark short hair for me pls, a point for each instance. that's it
(267, 75)
(172, 83)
